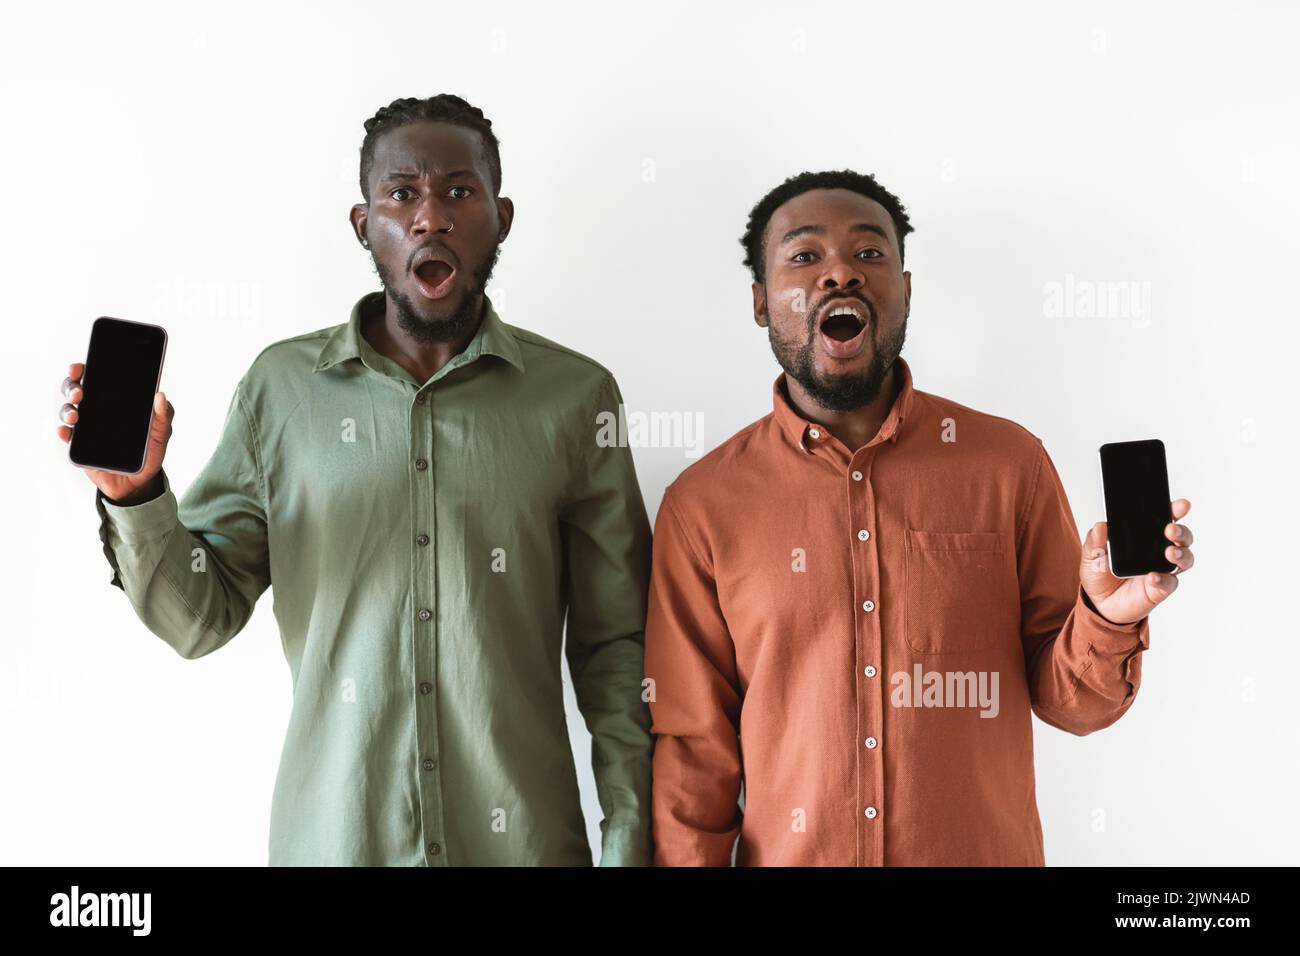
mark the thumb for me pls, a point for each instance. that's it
(160, 432)
(162, 419)
(1094, 566)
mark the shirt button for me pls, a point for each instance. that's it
(868, 606)
(857, 476)
(421, 464)
(869, 670)
(814, 433)
(434, 849)
(864, 535)
(426, 687)
(870, 812)
(871, 743)
(430, 763)
(421, 398)
(422, 540)
(425, 614)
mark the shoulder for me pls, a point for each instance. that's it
(296, 355)
(975, 430)
(552, 357)
(703, 484)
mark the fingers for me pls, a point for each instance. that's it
(1182, 557)
(1159, 586)
(1179, 552)
(71, 390)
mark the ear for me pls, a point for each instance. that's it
(505, 215)
(907, 294)
(358, 219)
(760, 304)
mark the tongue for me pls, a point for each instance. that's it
(433, 272)
(841, 327)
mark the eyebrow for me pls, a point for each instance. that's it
(798, 231)
(399, 175)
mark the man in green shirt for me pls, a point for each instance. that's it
(423, 487)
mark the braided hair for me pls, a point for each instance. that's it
(755, 240)
(445, 108)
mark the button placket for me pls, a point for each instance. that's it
(869, 649)
(424, 629)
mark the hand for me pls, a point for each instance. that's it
(1125, 600)
(122, 489)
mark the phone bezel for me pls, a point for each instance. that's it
(1101, 477)
(162, 358)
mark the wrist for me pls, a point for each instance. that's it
(139, 496)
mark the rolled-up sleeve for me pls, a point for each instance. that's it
(1083, 670)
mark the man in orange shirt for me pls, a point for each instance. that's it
(858, 600)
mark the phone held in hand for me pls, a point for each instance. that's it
(123, 370)
(1135, 483)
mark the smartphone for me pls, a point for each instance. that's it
(1135, 484)
(123, 371)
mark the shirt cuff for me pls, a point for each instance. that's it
(1107, 634)
(132, 524)
(625, 846)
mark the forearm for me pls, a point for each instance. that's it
(1087, 677)
(174, 580)
(608, 686)
(697, 814)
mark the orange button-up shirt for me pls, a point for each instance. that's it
(860, 638)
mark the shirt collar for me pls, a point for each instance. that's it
(346, 341)
(806, 434)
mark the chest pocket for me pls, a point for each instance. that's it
(961, 591)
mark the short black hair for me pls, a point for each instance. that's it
(443, 108)
(754, 239)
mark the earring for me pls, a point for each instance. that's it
(365, 243)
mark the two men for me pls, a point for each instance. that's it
(423, 487)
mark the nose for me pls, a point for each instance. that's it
(430, 216)
(839, 276)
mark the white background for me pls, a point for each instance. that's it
(195, 167)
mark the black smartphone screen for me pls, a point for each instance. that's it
(122, 373)
(1135, 483)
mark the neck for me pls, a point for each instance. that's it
(855, 427)
(421, 358)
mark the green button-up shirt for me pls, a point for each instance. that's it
(424, 541)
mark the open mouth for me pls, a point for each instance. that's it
(433, 277)
(843, 329)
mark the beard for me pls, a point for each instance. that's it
(454, 326)
(839, 393)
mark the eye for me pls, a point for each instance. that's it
(399, 189)
(465, 189)
(795, 257)
(877, 252)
